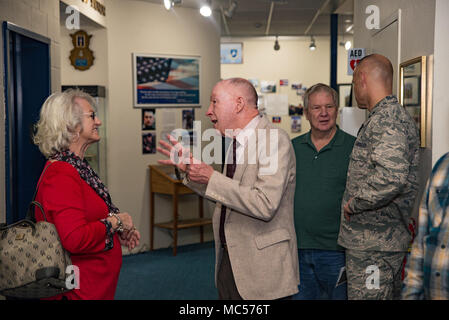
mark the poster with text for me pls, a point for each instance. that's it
(166, 81)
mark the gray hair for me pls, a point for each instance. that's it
(318, 88)
(60, 116)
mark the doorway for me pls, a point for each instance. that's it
(27, 85)
(387, 41)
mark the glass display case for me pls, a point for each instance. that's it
(96, 153)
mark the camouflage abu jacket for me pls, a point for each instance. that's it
(382, 180)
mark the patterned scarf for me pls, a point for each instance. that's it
(87, 174)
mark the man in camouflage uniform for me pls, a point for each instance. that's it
(381, 186)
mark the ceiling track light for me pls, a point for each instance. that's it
(229, 12)
(206, 10)
(347, 44)
(276, 44)
(168, 4)
(349, 28)
(312, 45)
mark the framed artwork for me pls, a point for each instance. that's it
(148, 142)
(148, 119)
(412, 92)
(231, 52)
(166, 81)
(345, 94)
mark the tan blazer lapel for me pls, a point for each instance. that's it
(250, 150)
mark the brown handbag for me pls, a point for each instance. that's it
(33, 262)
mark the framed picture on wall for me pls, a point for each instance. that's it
(166, 80)
(231, 52)
(148, 119)
(345, 94)
(413, 92)
(148, 142)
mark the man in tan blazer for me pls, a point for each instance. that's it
(255, 239)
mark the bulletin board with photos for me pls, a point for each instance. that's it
(274, 100)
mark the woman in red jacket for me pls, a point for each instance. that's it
(75, 200)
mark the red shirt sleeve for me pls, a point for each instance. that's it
(75, 209)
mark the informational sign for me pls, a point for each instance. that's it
(354, 57)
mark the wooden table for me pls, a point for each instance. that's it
(162, 182)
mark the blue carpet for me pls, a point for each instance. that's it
(158, 275)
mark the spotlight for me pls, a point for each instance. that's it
(276, 44)
(312, 45)
(348, 45)
(206, 10)
(230, 11)
(168, 4)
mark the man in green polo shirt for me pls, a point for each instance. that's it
(322, 158)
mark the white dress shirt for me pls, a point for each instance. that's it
(246, 134)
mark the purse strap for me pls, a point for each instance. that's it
(30, 214)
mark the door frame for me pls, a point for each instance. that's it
(9, 87)
(396, 16)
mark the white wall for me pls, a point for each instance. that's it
(294, 61)
(440, 130)
(39, 16)
(149, 28)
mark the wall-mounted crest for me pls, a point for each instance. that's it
(81, 57)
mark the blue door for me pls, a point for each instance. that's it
(27, 74)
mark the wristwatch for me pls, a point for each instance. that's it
(119, 222)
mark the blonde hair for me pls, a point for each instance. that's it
(60, 116)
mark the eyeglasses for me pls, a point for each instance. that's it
(92, 114)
